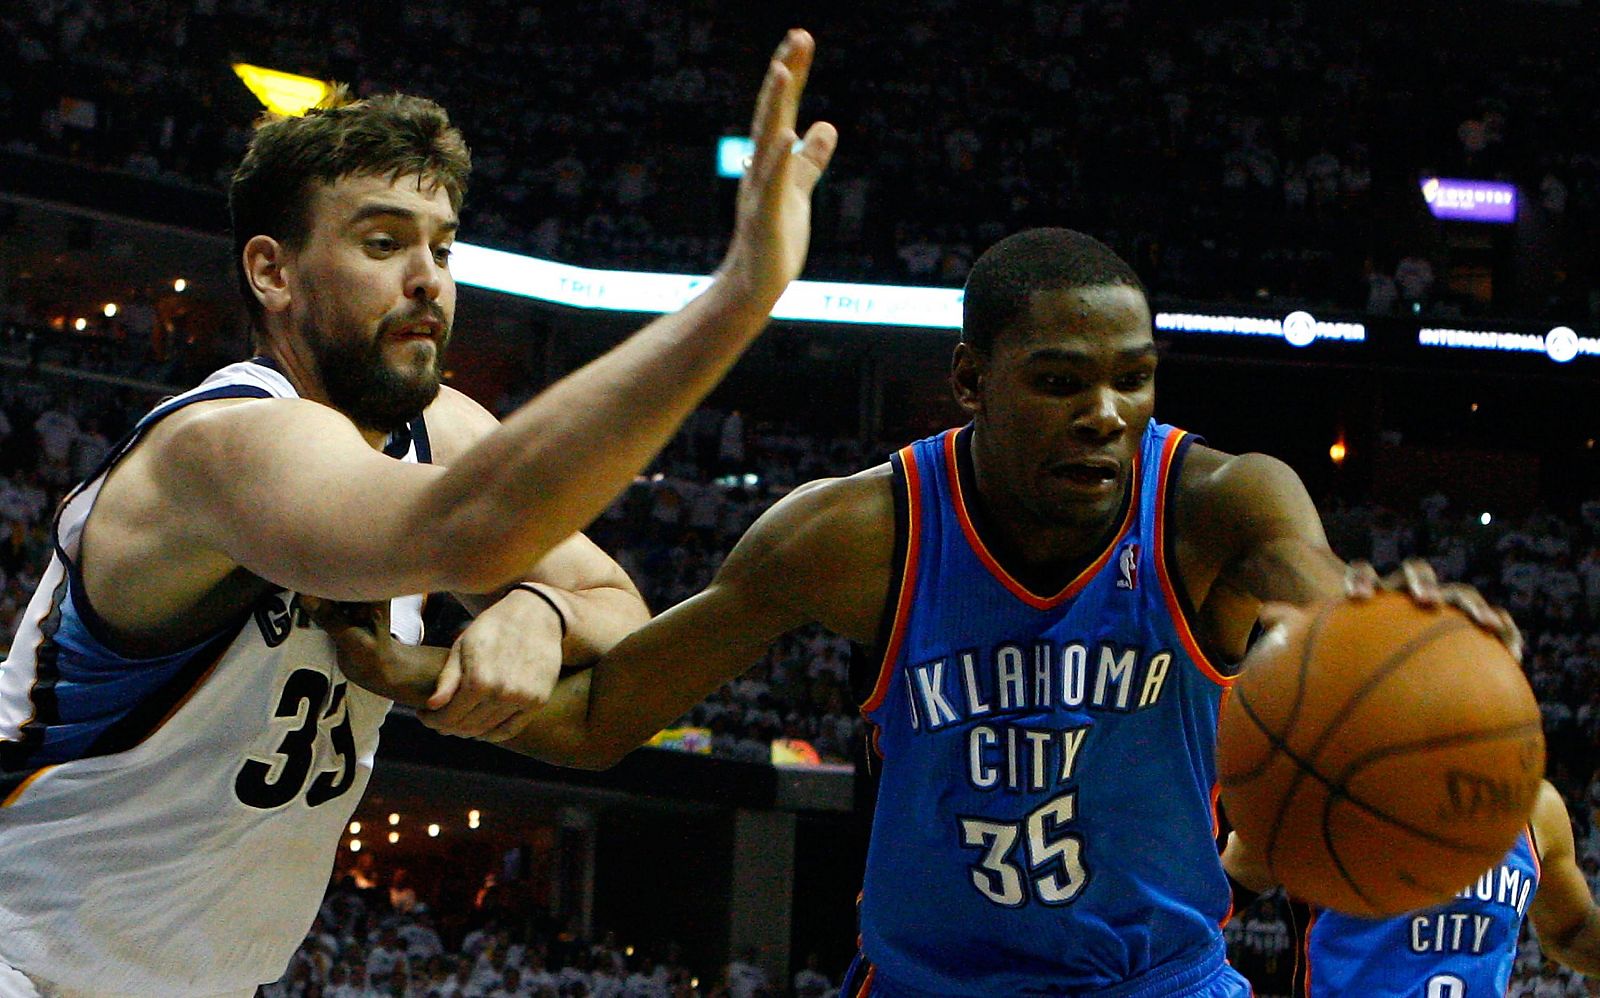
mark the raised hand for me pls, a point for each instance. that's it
(772, 228)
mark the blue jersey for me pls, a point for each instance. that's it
(1463, 949)
(1046, 819)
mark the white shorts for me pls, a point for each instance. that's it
(15, 984)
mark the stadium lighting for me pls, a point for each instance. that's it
(655, 293)
(1337, 452)
(180, 285)
(282, 93)
(110, 311)
(1486, 519)
(433, 831)
(80, 324)
(355, 828)
(394, 837)
(394, 819)
(355, 845)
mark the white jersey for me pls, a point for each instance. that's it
(168, 825)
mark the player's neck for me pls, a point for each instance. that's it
(300, 368)
(1042, 553)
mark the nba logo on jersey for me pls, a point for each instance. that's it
(1128, 567)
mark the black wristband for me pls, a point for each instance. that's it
(530, 587)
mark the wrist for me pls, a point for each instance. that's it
(538, 592)
(737, 295)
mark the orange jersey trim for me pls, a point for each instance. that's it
(866, 985)
(11, 798)
(1005, 578)
(1169, 591)
(908, 584)
(1305, 947)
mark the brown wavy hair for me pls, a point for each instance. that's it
(393, 134)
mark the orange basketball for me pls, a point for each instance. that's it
(1380, 755)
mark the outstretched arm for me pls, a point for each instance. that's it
(1563, 911)
(1249, 536)
(290, 491)
(822, 554)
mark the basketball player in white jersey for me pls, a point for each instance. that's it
(178, 748)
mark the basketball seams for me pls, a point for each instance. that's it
(1387, 668)
(1307, 652)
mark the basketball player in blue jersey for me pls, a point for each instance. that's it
(1463, 949)
(179, 751)
(1054, 594)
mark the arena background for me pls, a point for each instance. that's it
(1254, 160)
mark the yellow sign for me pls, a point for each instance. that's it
(282, 93)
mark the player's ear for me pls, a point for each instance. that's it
(264, 271)
(966, 377)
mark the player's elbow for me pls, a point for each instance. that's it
(597, 754)
(1577, 945)
(588, 758)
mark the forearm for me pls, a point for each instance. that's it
(647, 681)
(1291, 570)
(406, 674)
(596, 619)
(559, 460)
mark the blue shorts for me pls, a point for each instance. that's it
(1206, 976)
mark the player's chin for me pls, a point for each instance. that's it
(1070, 504)
(412, 351)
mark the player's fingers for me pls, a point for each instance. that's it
(774, 144)
(483, 718)
(816, 150)
(764, 95)
(1360, 580)
(795, 53)
(510, 728)
(449, 682)
(1471, 602)
(1509, 632)
(1420, 581)
(767, 97)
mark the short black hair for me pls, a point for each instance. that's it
(1008, 274)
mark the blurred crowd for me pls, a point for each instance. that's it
(375, 942)
(1245, 151)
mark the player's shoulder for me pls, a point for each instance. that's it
(216, 429)
(456, 421)
(1217, 483)
(858, 507)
